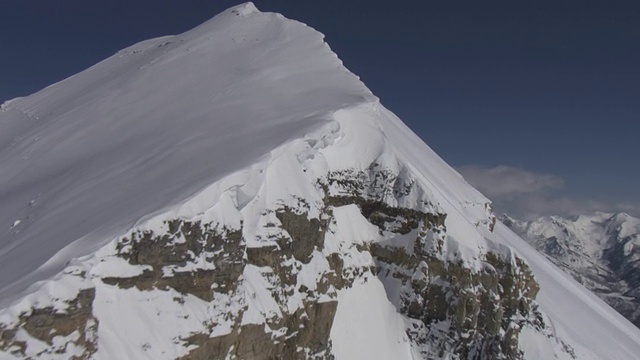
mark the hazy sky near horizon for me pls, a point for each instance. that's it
(536, 102)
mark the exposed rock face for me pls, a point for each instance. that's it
(479, 314)
(600, 251)
(451, 307)
(304, 333)
(71, 331)
(184, 243)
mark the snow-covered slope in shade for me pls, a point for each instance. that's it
(245, 148)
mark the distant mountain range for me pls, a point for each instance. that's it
(601, 251)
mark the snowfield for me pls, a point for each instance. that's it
(241, 114)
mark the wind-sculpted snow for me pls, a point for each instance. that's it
(153, 125)
(235, 192)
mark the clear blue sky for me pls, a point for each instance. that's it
(545, 86)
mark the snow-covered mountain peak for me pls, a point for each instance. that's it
(234, 191)
(151, 117)
(624, 224)
(244, 9)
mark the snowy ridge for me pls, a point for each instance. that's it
(224, 144)
(117, 126)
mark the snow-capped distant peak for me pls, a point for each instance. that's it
(600, 250)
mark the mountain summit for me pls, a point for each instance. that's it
(235, 192)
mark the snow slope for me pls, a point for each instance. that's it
(232, 117)
(151, 126)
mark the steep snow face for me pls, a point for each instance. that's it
(153, 125)
(235, 190)
(600, 250)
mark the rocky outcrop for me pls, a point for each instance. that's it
(480, 313)
(455, 309)
(306, 337)
(72, 330)
(301, 334)
(451, 306)
(168, 254)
